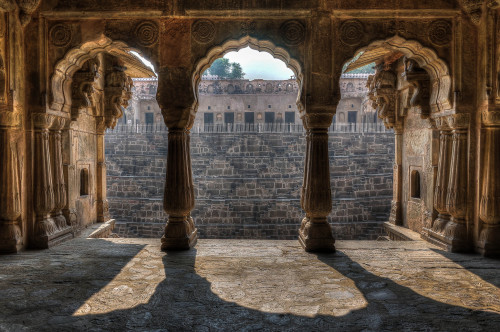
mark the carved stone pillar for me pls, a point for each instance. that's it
(102, 201)
(46, 232)
(396, 213)
(456, 235)
(11, 239)
(315, 232)
(489, 208)
(178, 201)
(441, 189)
(57, 173)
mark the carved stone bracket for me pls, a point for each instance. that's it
(419, 82)
(382, 91)
(83, 87)
(118, 91)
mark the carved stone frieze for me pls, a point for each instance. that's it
(60, 35)
(491, 118)
(293, 32)
(147, 33)
(352, 32)
(203, 31)
(247, 27)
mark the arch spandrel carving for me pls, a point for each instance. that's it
(426, 59)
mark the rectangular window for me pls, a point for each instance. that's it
(229, 117)
(269, 117)
(208, 118)
(150, 119)
(209, 107)
(351, 117)
(289, 117)
(268, 106)
(229, 107)
(248, 106)
(249, 117)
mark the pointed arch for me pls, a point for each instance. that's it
(74, 59)
(256, 44)
(427, 59)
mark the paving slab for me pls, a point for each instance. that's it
(245, 285)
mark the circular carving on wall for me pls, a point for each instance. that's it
(203, 31)
(147, 33)
(60, 35)
(351, 32)
(440, 32)
(293, 32)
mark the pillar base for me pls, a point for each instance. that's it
(11, 240)
(47, 234)
(451, 235)
(316, 236)
(180, 234)
(489, 241)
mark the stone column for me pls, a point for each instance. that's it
(58, 174)
(455, 232)
(441, 190)
(489, 208)
(178, 201)
(102, 201)
(46, 232)
(396, 214)
(11, 239)
(315, 232)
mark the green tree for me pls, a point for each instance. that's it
(220, 67)
(236, 71)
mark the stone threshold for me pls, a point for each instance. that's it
(398, 233)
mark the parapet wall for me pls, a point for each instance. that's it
(248, 184)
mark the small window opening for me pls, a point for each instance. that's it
(84, 182)
(415, 184)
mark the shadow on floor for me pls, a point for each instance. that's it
(184, 301)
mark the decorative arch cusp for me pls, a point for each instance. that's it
(256, 44)
(73, 60)
(428, 60)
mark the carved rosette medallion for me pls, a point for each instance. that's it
(60, 35)
(147, 33)
(293, 32)
(440, 32)
(203, 31)
(351, 32)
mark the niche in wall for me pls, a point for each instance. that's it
(415, 184)
(84, 182)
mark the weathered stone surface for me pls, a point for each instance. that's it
(129, 284)
(247, 184)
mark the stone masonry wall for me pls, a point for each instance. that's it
(248, 184)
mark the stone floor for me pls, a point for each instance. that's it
(226, 285)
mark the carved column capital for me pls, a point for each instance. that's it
(43, 121)
(458, 121)
(9, 119)
(317, 120)
(491, 118)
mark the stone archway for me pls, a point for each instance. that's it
(427, 59)
(256, 44)
(93, 78)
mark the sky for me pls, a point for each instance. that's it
(257, 64)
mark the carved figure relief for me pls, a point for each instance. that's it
(118, 92)
(351, 32)
(440, 32)
(419, 95)
(147, 33)
(203, 31)
(60, 35)
(382, 92)
(293, 32)
(2, 81)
